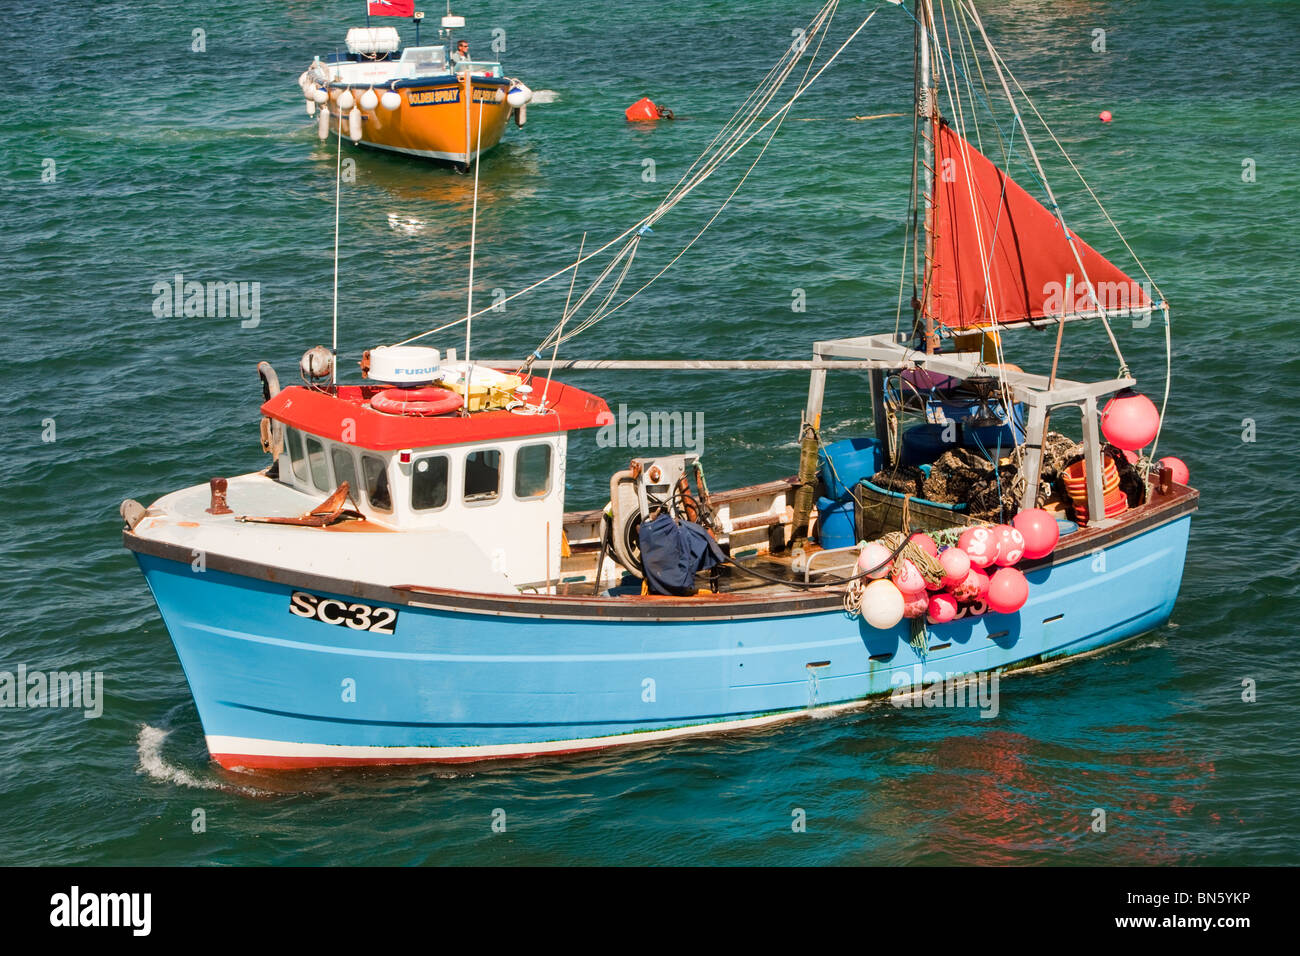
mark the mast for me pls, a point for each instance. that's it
(926, 97)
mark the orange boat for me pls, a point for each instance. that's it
(420, 100)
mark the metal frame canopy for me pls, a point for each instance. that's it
(879, 354)
(886, 353)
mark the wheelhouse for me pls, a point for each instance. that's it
(495, 475)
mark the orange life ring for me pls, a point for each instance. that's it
(416, 401)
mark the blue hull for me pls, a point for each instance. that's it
(277, 690)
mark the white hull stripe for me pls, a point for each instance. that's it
(426, 153)
(254, 747)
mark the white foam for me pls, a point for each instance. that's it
(545, 96)
(149, 747)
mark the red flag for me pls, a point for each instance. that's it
(982, 216)
(391, 8)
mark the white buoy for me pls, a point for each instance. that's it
(308, 90)
(882, 604)
(391, 100)
(320, 96)
(369, 100)
(311, 107)
(323, 125)
(521, 115)
(519, 95)
(354, 124)
(346, 100)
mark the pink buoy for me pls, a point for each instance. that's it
(926, 544)
(974, 587)
(874, 555)
(1181, 473)
(1039, 530)
(1008, 591)
(1130, 420)
(916, 605)
(980, 545)
(956, 565)
(943, 608)
(1131, 457)
(1105, 116)
(1010, 544)
(907, 576)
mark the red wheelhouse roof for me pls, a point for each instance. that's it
(328, 413)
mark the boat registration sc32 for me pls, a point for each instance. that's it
(358, 616)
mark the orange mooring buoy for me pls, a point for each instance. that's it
(644, 110)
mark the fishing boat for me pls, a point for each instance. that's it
(432, 100)
(403, 582)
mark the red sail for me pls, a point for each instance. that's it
(391, 8)
(1028, 255)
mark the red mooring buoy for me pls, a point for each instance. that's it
(644, 110)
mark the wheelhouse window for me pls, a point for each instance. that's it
(320, 470)
(345, 469)
(429, 483)
(293, 442)
(482, 475)
(375, 472)
(533, 471)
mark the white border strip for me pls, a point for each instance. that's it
(255, 747)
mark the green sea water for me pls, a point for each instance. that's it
(129, 157)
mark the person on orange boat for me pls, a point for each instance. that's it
(460, 54)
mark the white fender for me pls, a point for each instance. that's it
(391, 100)
(519, 95)
(323, 124)
(346, 101)
(354, 124)
(369, 100)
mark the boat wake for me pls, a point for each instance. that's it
(149, 744)
(545, 96)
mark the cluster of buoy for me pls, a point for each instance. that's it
(975, 575)
(318, 95)
(1130, 421)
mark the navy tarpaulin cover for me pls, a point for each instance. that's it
(672, 552)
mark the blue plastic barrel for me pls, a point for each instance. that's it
(853, 459)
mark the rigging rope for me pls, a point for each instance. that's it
(1078, 259)
(986, 259)
(740, 135)
(732, 145)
